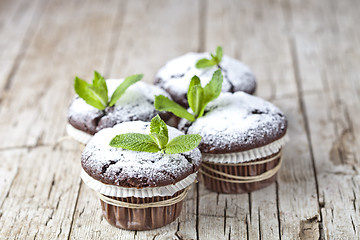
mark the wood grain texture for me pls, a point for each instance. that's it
(305, 55)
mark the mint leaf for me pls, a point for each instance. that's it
(135, 142)
(205, 63)
(219, 54)
(215, 59)
(195, 80)
(120, 90)
(159, 131)
(163, 103)
(157, 140)
(183, 143)
(192, 94)
(195, 99)
(212, 90)
(86, 92)
(100, 88)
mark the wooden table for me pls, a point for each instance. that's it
(305, 54)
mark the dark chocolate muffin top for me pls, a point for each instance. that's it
(137, 103)
(236, 122)
(125, 168)
(176, 74)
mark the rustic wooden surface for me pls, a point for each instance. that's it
(305, 54)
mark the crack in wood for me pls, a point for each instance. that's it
(278, 209)
(225, 208)
(37, 232)
(74, 211)
(353, 225)
(259, 224)
(294, 57)
(177, 233)
(60, 231)
(247, 227)
(52, 185)
(26, 147)
(197, 212)
(250, 207)
(155, 236)
(49, 217)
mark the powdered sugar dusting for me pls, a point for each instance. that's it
(237, 121)
(126, 168)
(175, 76)
(135, 104)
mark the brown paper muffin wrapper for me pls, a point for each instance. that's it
(135, 217)
(241, 177)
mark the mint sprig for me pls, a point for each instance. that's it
(197, 97)
(215, 59)
(96, 94)
(157, 140)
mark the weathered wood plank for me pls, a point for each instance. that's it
(330, 112)
(18, 21)
(304, 53)
(42, 197)
(153, 33)
(64, 46)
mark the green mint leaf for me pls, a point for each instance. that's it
(159, 131)
(183, 143)
(100, 88)
(135, 142)
(195, 80)
(194, 86)
(85, 91)
(215, 59)
(219, 54)
(205, 63)
(212, 90)
(163, 103)
(195, 99)
(120, 90)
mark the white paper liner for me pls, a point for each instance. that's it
(116, 191)
(246, 156)
(78, 135)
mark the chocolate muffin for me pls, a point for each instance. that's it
(135, 104)
(176, 74)
(242, 140)
(138, 190)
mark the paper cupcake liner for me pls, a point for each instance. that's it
(142, 219)
(246, 156)
(123, 192)
(78, 135)
(227, 184)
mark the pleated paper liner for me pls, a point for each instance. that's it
(148, 213)
(78, 135)
(140, 209)
(148, 192)
(241, 177)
